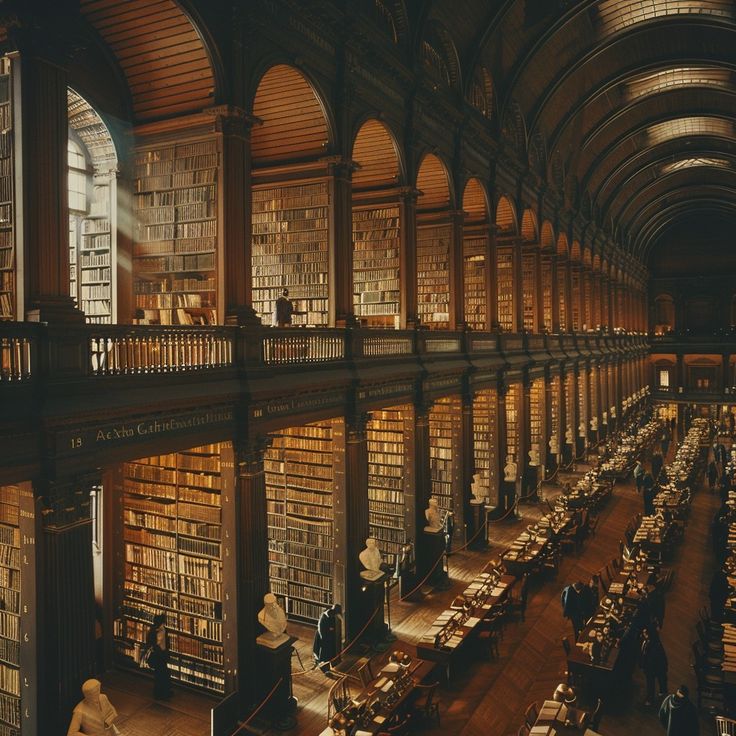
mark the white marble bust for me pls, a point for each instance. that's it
(554, 445)
(477, 487)
(605, 417)
(581, 429)
(273, 619)
(433, 516)
(371, 559)
(569, 439)
(594, 424)
(534, 456)
(613, 412)
(510, 469)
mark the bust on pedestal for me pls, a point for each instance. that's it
(569, 439)
(273, 619)
(433, 516)
(510, 469)
(372, 561)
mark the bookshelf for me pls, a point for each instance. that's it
(505, 287)
(299, 469)
(536, 414)
(289, 250)
(433, 275)
(593, 383)
(7, 207)
(172, 562)
(386, 459)
(444, 452)
(554, 408)
(562, 295)
(513, 403)
(376, 262)
(10, 610)
(586, 285)
(575, 298)
(570, 412)
(529, 289)
(73, 255)
(546, 274)
(485, 440)
(174, 254)
(582, 400)
(474, 281)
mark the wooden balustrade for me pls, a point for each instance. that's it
(17, 353)
(298, 346)
(383, 343)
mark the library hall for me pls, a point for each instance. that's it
(367, 367)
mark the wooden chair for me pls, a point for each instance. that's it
(519, 605)
(532, 712)
(725, 726)
(426, 707)
(365, 673)
(338, 697)
(569, 539)
(593, 719)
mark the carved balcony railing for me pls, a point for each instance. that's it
(298, 346)
(18, 352)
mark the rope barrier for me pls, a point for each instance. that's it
(259, 708)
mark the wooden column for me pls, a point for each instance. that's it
(418, 485)
(408, 268)
(457, 287)
(65, 599)
(491, 288)
(233, 127)
(341, 310)
(245, 563)
(351, 529)
(42, 220)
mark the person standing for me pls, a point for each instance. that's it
(648, 495)
(283, 310)
(657, 463)
(678, 715)
(653, 662)
(327, 637)
(573, 604)
(712, 475)
(158, 660)
(638, 475)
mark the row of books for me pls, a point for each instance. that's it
(169, 198)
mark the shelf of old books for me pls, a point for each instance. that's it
(10, 609)
(299, 467)
(583, 406)
(386, 460)
(547, 274)
(570, 405)
(376, 263)
(475, 248)
(536, 414)
(176, 230)
(445, 419)
(529, 288)
(433, 274)
(485, 441)
(575, 287)
(555, 417)
(505, 287)
(290, 249)
(513, 428)
(587, 286)
(593, 388)
(172, 531)
(7, 207)
(562, 295)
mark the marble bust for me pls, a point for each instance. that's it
(554, 445)
(594, 424)
(273, 619)
(371, 560)
(433, 516)
(477, 488)
(534, 456)
(582, 432)
(569, 439)
(509, 470)
(613, 412)
(605, 417)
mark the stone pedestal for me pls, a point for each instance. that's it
(371, 599)
(477, 522)
(274, 666)
(435, 546)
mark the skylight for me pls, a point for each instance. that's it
(681, 127)
(688, 163)
(668, 79)
(615, 15)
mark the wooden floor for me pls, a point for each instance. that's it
(489, 697)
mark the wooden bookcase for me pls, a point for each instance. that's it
(555, 428)
(593, 388)
(10, 612)
(386, 472)
(562, 295)
(513, 428)
(172, 562)
(547, 307)
(582, 401)
(570, 400)
(587, 287)
(299, 468)
(376, 264)
(575, 287)
(474, 281)
(176, 233)
(536, 416)
(505, 287)
(433, 275)
(8, 294)
(290, 249)
(529, 289)
(445, 417)
(485, 440)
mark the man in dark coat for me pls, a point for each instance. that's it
(657, 463)
(653, 661)
(327, 637)
(573, 604)
(678, 714)
(648, 495)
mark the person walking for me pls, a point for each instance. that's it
(573, 605)
(648, 495)
(712, 475)
(327, 638)
(653, 662)
(638, 475)
(678, 715)
(657, 462)
(158, 659)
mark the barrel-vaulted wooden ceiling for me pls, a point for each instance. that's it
(628, 103)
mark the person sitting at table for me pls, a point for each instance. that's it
(653, 662)
(599, 648)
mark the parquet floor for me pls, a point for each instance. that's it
(489, 697)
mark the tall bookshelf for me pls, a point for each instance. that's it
(174, 255)
(554, 409)
(536, 415)
(586, 286)
(547, 320)
(562, 295)
(485, 440)
(7, 206)
(299, 485)
(376, 263)
(570, 400)
(433, 275)
(582, 400)
(172, 562)
(289, 250)
(575, 298)
(10, 610)
(386, 459)
(505, 287)
(444, 452)
(593, 388)
(513, 427)
(474, 281)
(529, 289)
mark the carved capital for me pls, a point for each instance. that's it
(232, 121)
(249, 455)
(356, 427)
